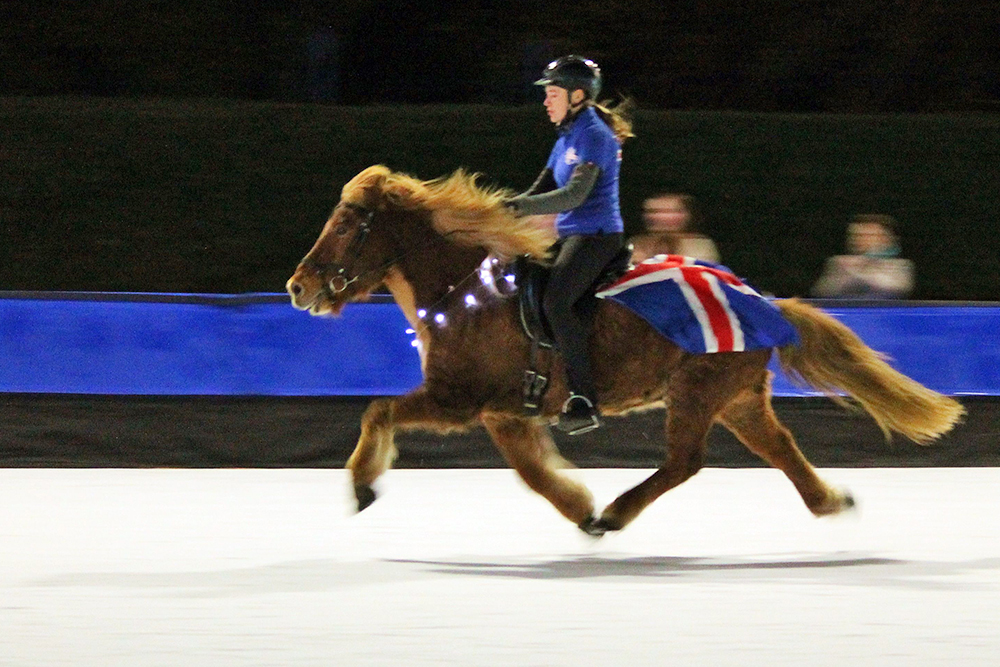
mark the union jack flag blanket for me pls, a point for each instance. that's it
(702, 307)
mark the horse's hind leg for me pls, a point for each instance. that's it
(529, 449)
(751, 419)
(376, 450)
(688, 423)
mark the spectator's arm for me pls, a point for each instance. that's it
(833, 280)
(889, 277)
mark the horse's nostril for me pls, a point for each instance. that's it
(295, 289)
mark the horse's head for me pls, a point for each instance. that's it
(440, 229)
(350, 258)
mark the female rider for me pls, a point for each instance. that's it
(580, 183)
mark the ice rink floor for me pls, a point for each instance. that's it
(467, 567)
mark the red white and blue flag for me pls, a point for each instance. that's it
(702, 307)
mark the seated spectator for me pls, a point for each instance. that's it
(672, 229)
(873, 269)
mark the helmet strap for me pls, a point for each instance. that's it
(571, 115)
(573, 110)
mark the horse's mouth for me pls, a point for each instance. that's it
(323, 307)
(325, 304)
(322, 302)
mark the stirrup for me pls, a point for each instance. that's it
(578, 416)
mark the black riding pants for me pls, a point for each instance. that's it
(580, 261)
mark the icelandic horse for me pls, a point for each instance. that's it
(432, 244)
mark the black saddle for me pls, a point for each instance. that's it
(531, 278)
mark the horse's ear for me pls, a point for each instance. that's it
(368, 182)
(398, 190)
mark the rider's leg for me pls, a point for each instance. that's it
(578, 265)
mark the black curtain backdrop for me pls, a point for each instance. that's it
(108, 431)
(764, 55)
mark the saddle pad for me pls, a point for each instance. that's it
(702, 307)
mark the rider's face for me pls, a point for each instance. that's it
(556, 103)
(559, 101)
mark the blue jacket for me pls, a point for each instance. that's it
(589, 139)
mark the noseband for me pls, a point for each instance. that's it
(340, 281)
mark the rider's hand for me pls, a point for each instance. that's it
(512, 205)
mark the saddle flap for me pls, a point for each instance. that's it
(531, 278)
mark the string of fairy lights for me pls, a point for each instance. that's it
(487, 287)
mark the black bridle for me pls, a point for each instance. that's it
(340, 281)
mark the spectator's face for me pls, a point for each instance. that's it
(665, 214)
(865, 237)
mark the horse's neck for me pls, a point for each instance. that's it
(428, 283)
(433, 273)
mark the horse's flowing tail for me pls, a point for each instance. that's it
(832, 358)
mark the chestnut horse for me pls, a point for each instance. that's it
(426, 241)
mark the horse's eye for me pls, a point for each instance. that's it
(341, 230)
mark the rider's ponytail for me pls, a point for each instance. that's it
(618, 117)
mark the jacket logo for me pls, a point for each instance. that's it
(571, 156)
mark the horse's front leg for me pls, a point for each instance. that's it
(376, 449)
(529, 449)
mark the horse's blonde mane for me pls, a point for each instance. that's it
(461, 209)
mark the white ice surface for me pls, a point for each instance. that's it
(467, 567)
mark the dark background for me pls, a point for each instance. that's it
(139, 431)
(197, 147)
(852, 56)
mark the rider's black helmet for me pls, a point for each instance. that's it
(572, 72)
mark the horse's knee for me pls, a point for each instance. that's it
(375, 451)
(378, 414)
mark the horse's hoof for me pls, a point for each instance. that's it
(848, 500)
(365, 495)
(838, 503)
(595, 527)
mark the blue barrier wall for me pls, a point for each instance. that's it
(259, 345)
(205, 345)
